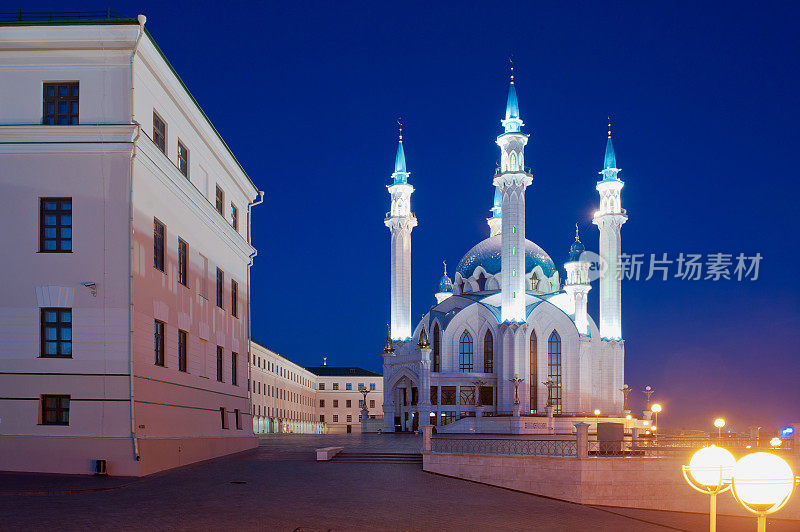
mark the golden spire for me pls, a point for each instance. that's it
(511, 67)
(577, 239)
(609, 126)
(444, 262)
(400, 127)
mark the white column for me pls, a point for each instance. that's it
(609, 220)
(401, 222)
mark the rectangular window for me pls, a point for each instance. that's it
(349, 418)
(56, 332)
(448, 417)
(335, 385)
(223, 417)
(234, 299)
(158, 342)
(467, 395)
(322, 418)
(360, 386)
(362, 404)
(60, 102)
(238, 419)
(220, 281)
(335, 418)
(219, 364)
(487, 395)
(160, 133)
(220, 201)
(235, 369)
(414, 395)
(322, 403)
(372, 403)
(322, 386)
(55, 409)
(158, 245)
(55, 225)
(372, 386)
(348, 386)
(448, 395)
(434, 395)
(182, 351)
(335, 403)
(183, 257)
(348, 404)
(234, 217)
(183, 159)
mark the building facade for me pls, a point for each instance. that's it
(507, 335)
(124, 325)
(340, 401)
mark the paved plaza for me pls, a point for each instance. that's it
(280, 487)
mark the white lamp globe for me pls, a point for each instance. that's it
(762, 479)
(712, 466)
(656, 408)
(719, 422)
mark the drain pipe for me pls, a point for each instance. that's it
(252, 256)
(142, 19)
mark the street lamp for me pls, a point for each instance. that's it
(763, 483)
(709, 471)
(655, 408)
(775, 442)
(719, 423)
(597, 412)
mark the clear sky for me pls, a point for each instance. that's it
(704, 102)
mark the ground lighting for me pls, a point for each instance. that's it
(709, 471)
(763, 483)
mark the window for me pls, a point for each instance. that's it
(335, 385)
(481, 282)
(322, 418)
(235, 369)
(448, 417)
(335, 403)
(160, 133)
(56, 332)
(220, 201)
(434, 395)
(234, 217)
(465, 353)
(234, 299)
(372, 386)
(486, 395)
(158, 245)
(534, 406)
(183, 159)
(488, 352)
(182, 351)
(219, 364)
(220, 281)
(238, 419)
(349, 404)
(60, 104)
(322, 386)
(554, 370)
(360, 386)
(335, 418)
(362, 404)
(448, 395)
(322, 403)
(372, 403)
(55, 225)
(348, 386)
(224, 417)
(183, 252)
(467, 395)
(349, 418)
(55, 409)
(158, 342)
(436, 349)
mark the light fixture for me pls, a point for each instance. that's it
(597, 412)
(656, 408)
(719, 423)
(763, 483)
(709, 471)
(775, 442)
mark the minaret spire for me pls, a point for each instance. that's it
(400, 174)
(610, 169)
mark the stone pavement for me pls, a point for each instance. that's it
(280, 487)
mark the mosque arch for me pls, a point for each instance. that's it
(465, 352)
(534, 372)
(437, 348)
(488, 352)
(554, 370)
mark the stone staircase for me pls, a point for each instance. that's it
(383, 458)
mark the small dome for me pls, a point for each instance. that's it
(575, 251)
(445, 285)
(487, 255)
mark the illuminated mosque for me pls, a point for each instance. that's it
(508, 336)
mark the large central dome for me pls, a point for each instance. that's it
(487, 255)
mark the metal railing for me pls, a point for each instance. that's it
(505, 446)
(53, 16)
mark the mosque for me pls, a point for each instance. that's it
(508, 337)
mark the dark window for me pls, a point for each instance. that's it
(414, 395)
(220, 281)
(158, 342)
(219, 363)
(467, 394)
(55, 225)
(335, 403)
(224, 417)
(372, 403)
(554, 370)
(55, 409)
(235, 369)
(183, 159)
(60, 104)
(234, 299)
(488, 352)
(436, 349)
(372, 386)
(183, 258)
(182, 351)
(349, 403)
(486, 395)
(434, 395)
(465, 353)
(56, 331)
(158, 245)
(322, 386)
(534, 374)
(220, 201)
(159, 132)
(238, 419)
(448, 395)
(322, 418)
(481, 282)
(234, 217)
(322, 403)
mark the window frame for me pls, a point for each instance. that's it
(234, 217)
(555, 371)
(59, 325)
(534, 372)
(465, 353)
(234, 368)
(437, 349)
(220, 288)
(488, 352)
(69, 99)
(183, 157)
(60, 409)
(183, 262)
(159, 133)
(220, 371)
(219, 197)
(182, 340)
(58, 212)
(158, 343)
(234, 298)
(159, 252)
(223, 417)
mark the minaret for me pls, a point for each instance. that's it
(445, 288)
(577, 284)
(511, 182)
(609, 219)
(496, 220)
(400, 221)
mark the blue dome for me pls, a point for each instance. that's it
(487, 255)
(575, 251)
(445, 284)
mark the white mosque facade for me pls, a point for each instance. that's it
(508, 336)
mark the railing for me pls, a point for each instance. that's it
(505, 446)
(51, 16)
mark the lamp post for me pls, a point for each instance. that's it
(719, 423)
(648, 391)
(763, 483)
(655, 408)
(516, 380)
(709, 471)
(625, 391)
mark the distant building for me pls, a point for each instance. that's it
(340, 401)
(125, 316)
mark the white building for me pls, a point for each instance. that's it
(125, 320)
(340, 401)
(506, 315)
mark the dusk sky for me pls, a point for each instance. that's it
(704, 102)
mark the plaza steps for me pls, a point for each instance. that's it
(383, 458)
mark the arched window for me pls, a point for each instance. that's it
(534, 374)
(465, 353)
(488, 352)
(481, 282)
(512, 161)
(554, 370)
(437, 358)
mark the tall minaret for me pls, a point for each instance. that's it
(511, 182)
(400, 221)
(577, 284)
(609, 219)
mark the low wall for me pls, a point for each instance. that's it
(629, 482)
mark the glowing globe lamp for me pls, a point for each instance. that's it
(656, 408)
(775, 442)
(712, 466)
(763, 483)
(597, 412)
(719, 422)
